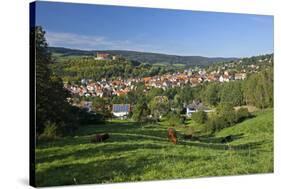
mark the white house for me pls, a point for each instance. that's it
(195, 107)
(121, 110)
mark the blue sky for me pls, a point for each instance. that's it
(180, 32)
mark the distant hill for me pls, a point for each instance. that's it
(145, 57)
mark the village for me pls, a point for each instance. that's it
(192, 76)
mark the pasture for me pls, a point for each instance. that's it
(137, 152)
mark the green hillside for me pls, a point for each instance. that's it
(145, 57)
(142, 152)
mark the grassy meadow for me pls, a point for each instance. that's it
(137, 152)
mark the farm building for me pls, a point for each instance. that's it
(195, 107)
(121, 110)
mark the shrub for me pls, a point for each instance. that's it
(226, 117)
(199, 117)
(216, 123)
(242, 114)
(226, 111)
(50, 131)
(211, 124)
(174, 119)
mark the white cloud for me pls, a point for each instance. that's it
(91, 42)
(76, 41)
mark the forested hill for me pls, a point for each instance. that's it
(145, 57)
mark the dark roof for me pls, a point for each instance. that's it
(197, 106)
(121, 108)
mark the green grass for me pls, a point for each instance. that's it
(142, 152)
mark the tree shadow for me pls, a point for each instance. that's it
(111, 169)
(99, 149)
(117, 132)
(228, 138)
(219, 146)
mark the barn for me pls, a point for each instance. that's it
(121, 110)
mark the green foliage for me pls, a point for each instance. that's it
(226, 116)
(258, 89)
(50, 131)
(210, 94)
(141, 112)
(216, 123)
(227, 113)
(101, 106)
(76, 68)
(159, 106)
(174, 119)
(199, 117)
(231, 93)
(51, 97)
(51, 104)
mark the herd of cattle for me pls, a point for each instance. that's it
(172, 136)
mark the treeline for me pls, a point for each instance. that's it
(54, 115)
(146, 57)
(256, 90)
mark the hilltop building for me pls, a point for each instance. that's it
(102, 56)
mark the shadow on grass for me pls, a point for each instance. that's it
(216, 146)
(123, 168)
(229, 138)
(98, 150)
(119, 132)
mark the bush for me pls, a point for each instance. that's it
(226, 111)
(50, 131)
(242, 114)
(174, 119)
(226, 117)
(216, 123)
(199, 117)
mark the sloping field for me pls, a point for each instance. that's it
(137, 153)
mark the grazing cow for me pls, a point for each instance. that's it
(226, 139)
(187, 137)
(190, 137)
(172, 135)
(100, 137)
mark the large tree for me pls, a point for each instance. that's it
(51, 97)
(231, 93)
(258, 89)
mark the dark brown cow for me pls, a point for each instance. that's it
(100, 137)
(172, 135)
(187, 137)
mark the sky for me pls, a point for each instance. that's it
(178, 32)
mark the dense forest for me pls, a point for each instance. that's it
(77, 68)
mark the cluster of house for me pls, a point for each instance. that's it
(190, 78)
(102, 88)
(107, 88)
